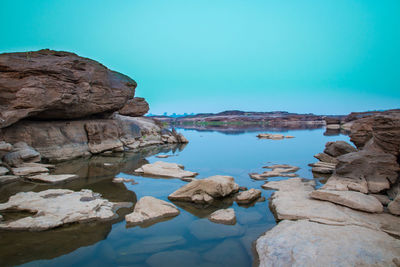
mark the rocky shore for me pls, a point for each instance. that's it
(353, 219)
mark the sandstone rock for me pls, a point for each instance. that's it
(25, 171)
(333, 126)
(332, 120)
(135, 107)
(361, 131)
(278, 170)
(149, 209)
(55, 207)
(292, 202)
(305, 243)
(165, 169)
(338, 148)
(5, 147)
(206, 190)
(384, 199)
(271, 136)
(394, 206)
(53, 178)
(182, 139)
(323, 157)
(21, 153)
(9, 179)
(378, 168)
(50, 84)
(3, 171)
(163, 156)
(345, 184)
(224, 216)
(386, 132)
(289, 136)
(102, 136)
(248, 196)
(323, 169)
(351, 199)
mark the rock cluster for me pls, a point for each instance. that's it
(277, 170)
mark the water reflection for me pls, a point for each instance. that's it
(95, 173)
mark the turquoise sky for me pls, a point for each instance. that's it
(320, 56)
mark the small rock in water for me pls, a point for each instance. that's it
(3, 170)
(123, 180)
(24, 171)
(271, 136)
(163, 156)
(9, 179)
(149, 209)
(224, 216)
(165, 169)
(289, 136)
(248, 196)
(53, 178)
(278, 170)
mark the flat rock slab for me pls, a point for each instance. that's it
(277, 170)
(344, 184)
(248, 196)
(9, 179)
(271, 136)
(150, 209)
(165, 169)
(224, 216)
(351, 199)
(25, 171)
(292, 202)
(204, 191)
(53, 178)
(305, 243)
(55, 207)
(163, 156)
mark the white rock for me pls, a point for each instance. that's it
(149, 209)
(206, 190)
(165, 169)
(55, 207)
(3, 170)
(224, 216)
(305, 243)
(53, 178)
(351, 199)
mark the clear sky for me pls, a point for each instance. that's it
(320, 56)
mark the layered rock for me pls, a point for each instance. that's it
(50, 84)
(277, 170)
(165, 169)
(135, 107)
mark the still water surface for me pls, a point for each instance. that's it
(186, 240)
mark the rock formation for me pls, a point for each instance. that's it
(223, 216)
(165, 169)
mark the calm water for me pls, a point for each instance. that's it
(186, 240)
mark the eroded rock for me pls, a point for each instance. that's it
(248, 196)
(55, 207)
(135, 107)
(53, 178)
(224, 216)
(165, 169)
(150, 209)
(338, 148)
(305, 243)
(204, 191)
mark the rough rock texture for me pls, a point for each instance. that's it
(204, 191)
(361, 132)
(21, 153)
(323, 167)
(102, 136)
(224, 216)
(248, 196)
(394, 206)
(351, 199)
(53, 178)
(278, 170)
(338, 148)
(323, 157)
(135, 107)
(149, 209)
(50, 84)
(165, 169)
(305, 243)
(345, 184)
(293, 202)
(378, 168)
(386, 132)
(55, 207)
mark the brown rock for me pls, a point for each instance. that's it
(338, 148)
(50, 84)
(386, 132)
(102, 136)
(325, 158)
(394, 206)
(135, 107)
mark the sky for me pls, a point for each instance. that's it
(305, 56)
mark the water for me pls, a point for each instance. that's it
(186, 240)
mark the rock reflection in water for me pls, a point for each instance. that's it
(95, 173)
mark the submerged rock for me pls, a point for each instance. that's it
(224, 216)
(305, 243)
(351, 199)
(53, 178)
(271, 136)
(165, 169)
(150, 209)
(55, 207)
(248, 196)
(204, 191)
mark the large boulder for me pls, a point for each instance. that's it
(204, 191)
(50, 84)
(305, 243)
(338, 148)
(386, 132)
(135, 107)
